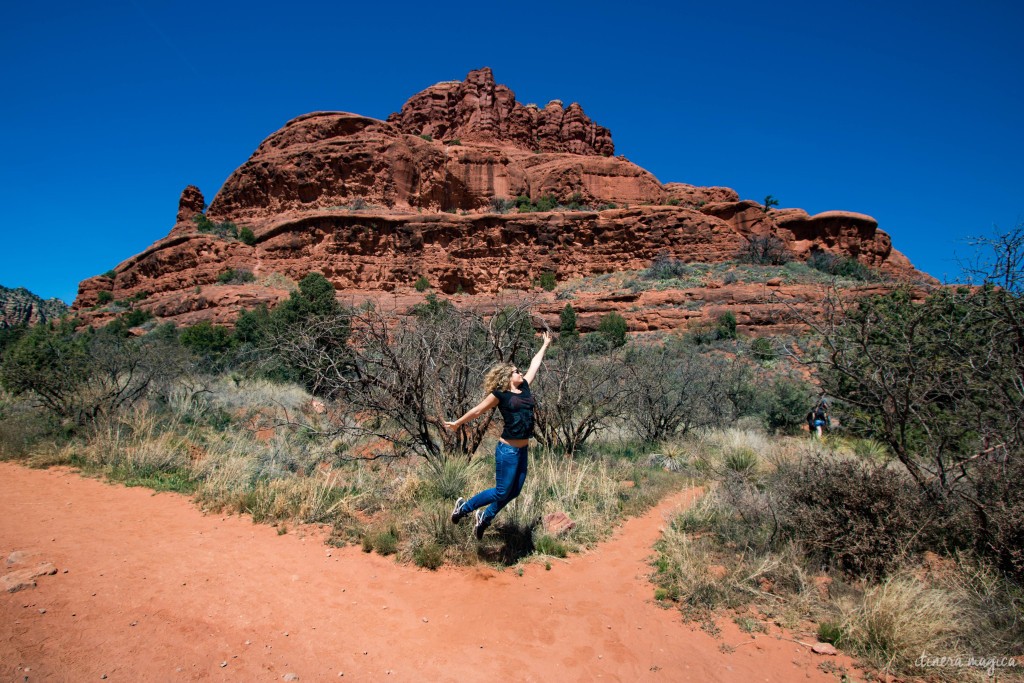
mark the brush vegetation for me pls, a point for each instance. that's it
(896, 537)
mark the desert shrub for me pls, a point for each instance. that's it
(664, 267)
(502, 205)
(225, 229)
(136, 317)
(422, 284)
(567, 324)
(428, 555)
(862, 519)
(761, 349)
(233, 276)
(840, 266)
(104, 297)
(576, 202)
(703, 333)
(725, 326)
(870, 449)
(385, 541)
(741, 460)
(673, 390)
(782, 403)
(997, 483)
(247, 236)
(549, 545)
(22, 427)
(547, 281)
(764, 250)
(613, 328)
(84, 376)
(583, 394)
(934, 381)
(544, 203)
(209, 343)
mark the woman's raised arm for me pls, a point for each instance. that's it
(538, 358)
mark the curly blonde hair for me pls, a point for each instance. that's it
(498, 378)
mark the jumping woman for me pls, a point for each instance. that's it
(509, 390)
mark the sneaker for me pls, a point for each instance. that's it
(481, 525)
(457, 511)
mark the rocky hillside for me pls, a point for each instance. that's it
(22, 307)
(465, 188)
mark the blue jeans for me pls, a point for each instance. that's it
(509, 475)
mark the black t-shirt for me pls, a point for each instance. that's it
(517, 411)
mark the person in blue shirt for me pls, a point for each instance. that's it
(508, 389)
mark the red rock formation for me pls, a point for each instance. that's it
(478, 110)
(373, 206)
(190, 204)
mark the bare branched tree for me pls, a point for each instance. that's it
(581, 395)
(401, 376)
(673, 389)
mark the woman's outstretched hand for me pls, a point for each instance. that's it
(547, 337)
(451, 425)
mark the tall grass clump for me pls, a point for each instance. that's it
(897, 620)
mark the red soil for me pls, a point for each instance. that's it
(148, 588)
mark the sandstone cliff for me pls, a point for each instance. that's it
(22, 307)
(374, 205)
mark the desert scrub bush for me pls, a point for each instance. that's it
(547, 281)
(241, 393)
(422, 284)
(782, 401)
(613, 329)
(23, 428)
(740, 460)
(762, 350)
(670, 456)
(383, 540)
(840, 266)
(428, 555)
(862, 519)
(764, 250)
(104, 297)
(247, 236)
(236, 276)
(205, 225)
(549, 545)
(502, 205)
(870, 449)
(665, 267)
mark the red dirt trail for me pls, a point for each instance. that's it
(148, 588)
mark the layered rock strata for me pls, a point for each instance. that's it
(376, 205)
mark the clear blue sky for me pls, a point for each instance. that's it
(907, 111)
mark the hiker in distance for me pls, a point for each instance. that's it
(509, 390)
(818, 418)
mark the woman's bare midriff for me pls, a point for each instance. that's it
(515, 443)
